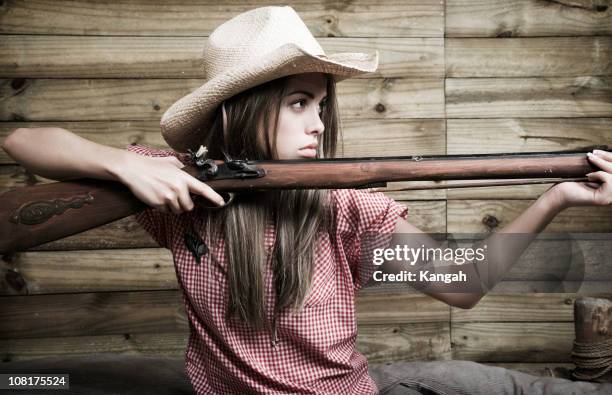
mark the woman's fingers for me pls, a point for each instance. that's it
(200, 188)
(172, 202)
(607, 155)
(600, 176)
(603, 194)
(185, 200)
(601, 161)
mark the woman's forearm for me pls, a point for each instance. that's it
(537, 216)
(507, 245)
(60, 155)
(503, 249)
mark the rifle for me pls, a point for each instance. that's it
(33, 215)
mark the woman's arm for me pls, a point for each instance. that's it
(505, 246)
(61, 155)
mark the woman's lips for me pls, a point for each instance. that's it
(308, 152)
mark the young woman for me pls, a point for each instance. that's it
(270, 301)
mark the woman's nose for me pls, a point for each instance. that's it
(317, 127)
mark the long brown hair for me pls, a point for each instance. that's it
(299, 215)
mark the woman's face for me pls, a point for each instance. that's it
(299, 123)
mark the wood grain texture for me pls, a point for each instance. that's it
(528, 57)
(520, 308)
(96, 264)
(513, 18)
(584, 288)
(364, 137)
(105, 313)
(403, 137)
(559, 97)
(27, 56)
(170, 344)
(147, 99)
(481, 136)
(399, 307)
(85, 314)
(46, 272)
(481, 216)
(407, 342)
(518, 287)
(489, 76)
(362, 18)
(513, 341)
(486, 136)
(551, 266)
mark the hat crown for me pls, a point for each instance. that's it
(254, 34)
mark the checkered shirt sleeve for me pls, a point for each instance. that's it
(365, 221)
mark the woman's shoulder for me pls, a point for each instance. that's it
(356, 199)
(146, 150)
(360, 208)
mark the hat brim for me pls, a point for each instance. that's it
(186, 122)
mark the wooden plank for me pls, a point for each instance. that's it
(512, 341)
(581, 96)
(116, 134)
(399, 307)
(24, 56)
(107, 313)
(393, 137)
(520, 308)
(425, 341)
(403, 343)
(571, 258)
(428, 216)
(169, 344)
(486, 136)
(368, 137)
(364, 137)
(35, 272)
(44, 272)
(101, 267)
(515, 192)
(480, 136)
(528, 57)
(512, 18)
(585, 288)
(465, 216)
(86, 314)
(362, 18)
(147, 99)
(505, 288)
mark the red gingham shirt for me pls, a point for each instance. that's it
(315, 352)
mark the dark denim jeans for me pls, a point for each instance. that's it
(471, 378)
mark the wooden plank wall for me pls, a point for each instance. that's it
(461, 76)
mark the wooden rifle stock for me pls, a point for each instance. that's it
(34, 215)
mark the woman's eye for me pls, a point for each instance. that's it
(299, 104)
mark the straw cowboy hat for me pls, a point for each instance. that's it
(250, 49)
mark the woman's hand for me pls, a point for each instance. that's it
(597, 192)
(160, 183)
